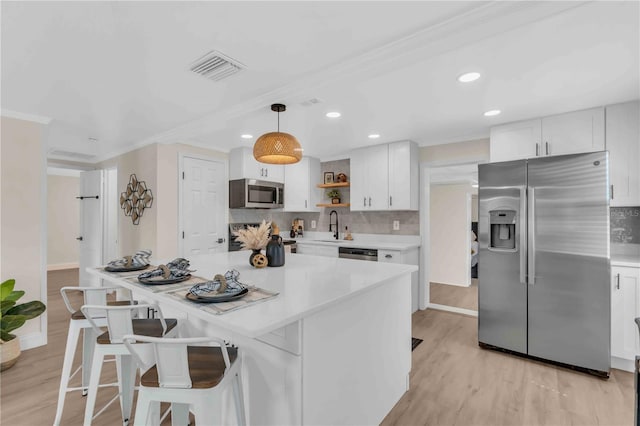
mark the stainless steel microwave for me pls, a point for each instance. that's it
(255, 194)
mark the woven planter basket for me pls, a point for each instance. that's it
(9, 353)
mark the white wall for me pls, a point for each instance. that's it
(450, 226)
(63, 219)
(23, 217)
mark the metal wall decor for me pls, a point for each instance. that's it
(135, 199)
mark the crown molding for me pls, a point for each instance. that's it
(26, 117)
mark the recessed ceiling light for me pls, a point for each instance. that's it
(333, 114)
(469, 77)
(246, 136)
(374, 136)
(492, 113)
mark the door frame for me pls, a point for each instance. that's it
(181, 157)
(425, 258)
(111, 207)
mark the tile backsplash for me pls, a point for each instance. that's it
(625, 225)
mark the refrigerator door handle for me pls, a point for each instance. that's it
(531, 237)
(523, 235)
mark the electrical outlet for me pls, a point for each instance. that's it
(396, 225)
(313, 224)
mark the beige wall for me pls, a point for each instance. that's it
(158, 166)
(450, 229)
(63, 220)
(22, 227)
(460, 152)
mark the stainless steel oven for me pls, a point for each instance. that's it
(255, 194)
(358, 253)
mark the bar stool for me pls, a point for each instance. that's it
(120, 322)
(78, 322)
(186, 376)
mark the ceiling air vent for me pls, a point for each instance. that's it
(216, 66)
(310, 102)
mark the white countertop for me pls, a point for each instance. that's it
(306, 284)
(369, 241)
(625, 255)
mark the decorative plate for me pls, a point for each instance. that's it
(125, 269)
(225, 297)
(151, 281)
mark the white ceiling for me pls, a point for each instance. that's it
(119, 71)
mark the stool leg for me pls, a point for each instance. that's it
(88, 343)
(69, 352)
(143, 408)
(179, 414)
(126, 369)
(96, 371)
(239, 399)
(207, 410)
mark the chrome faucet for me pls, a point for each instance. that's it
(336, 233)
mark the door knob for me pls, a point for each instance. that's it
(220, 240)
(79, 238)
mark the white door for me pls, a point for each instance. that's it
(204, 203)
(91, 225)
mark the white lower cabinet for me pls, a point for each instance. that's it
(408, 257)
(317, 250)
(625, 307)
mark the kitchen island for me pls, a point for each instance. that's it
(333, 347)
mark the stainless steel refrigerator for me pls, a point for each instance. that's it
(543, 278)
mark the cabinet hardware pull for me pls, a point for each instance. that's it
(618, 281)
(369, 201)
(220, 240)
(365, 202)
(547, 147)
(266, 172)
(537, 149)
(79, 238)
(388, 256)
(612, 192)
(262, 172)
(305, 204)
(390, 200)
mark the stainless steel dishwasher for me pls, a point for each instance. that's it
(358, 253)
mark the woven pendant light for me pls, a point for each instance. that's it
(277, 147)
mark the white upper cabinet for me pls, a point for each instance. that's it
(243, 165)
(515, 141)
(385, 177)
(623, 144)
(570, 133)
(573, 132)
(300, 191)
(404, 176)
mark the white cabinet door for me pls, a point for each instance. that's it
(410, 257)
(378, 177)
(300, 191)
(243, 165)
(317, 250)
(623, 144)
(359, 173)
(573, 132)
(515, 141)
(625, 307)
(404, 176)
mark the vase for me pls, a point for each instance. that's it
(9, 353)
(335, 201)
(254, 252)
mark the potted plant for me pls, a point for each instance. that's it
(334, 194)
(13, 317)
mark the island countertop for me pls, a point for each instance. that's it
(306, 284)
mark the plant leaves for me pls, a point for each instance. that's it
(6, 336)
(11, 322)
(6, 288)
(5, 305)
(29, 310)
(14, 295)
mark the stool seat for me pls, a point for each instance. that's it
(78, 315)
(206, 367)
(146, 327)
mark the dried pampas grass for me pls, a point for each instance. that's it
(254, 238)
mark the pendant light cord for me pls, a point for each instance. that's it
(278, 120)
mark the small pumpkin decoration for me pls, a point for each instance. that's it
(341, 177)
(259, 260)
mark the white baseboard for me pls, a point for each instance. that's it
(622, 364)
(454, 284)
(447, 308)
(32, 340)
(61, 266)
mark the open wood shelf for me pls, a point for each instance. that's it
(334, 205)
(333, 185)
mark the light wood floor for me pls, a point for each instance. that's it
(453, 381)
(453, 295)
